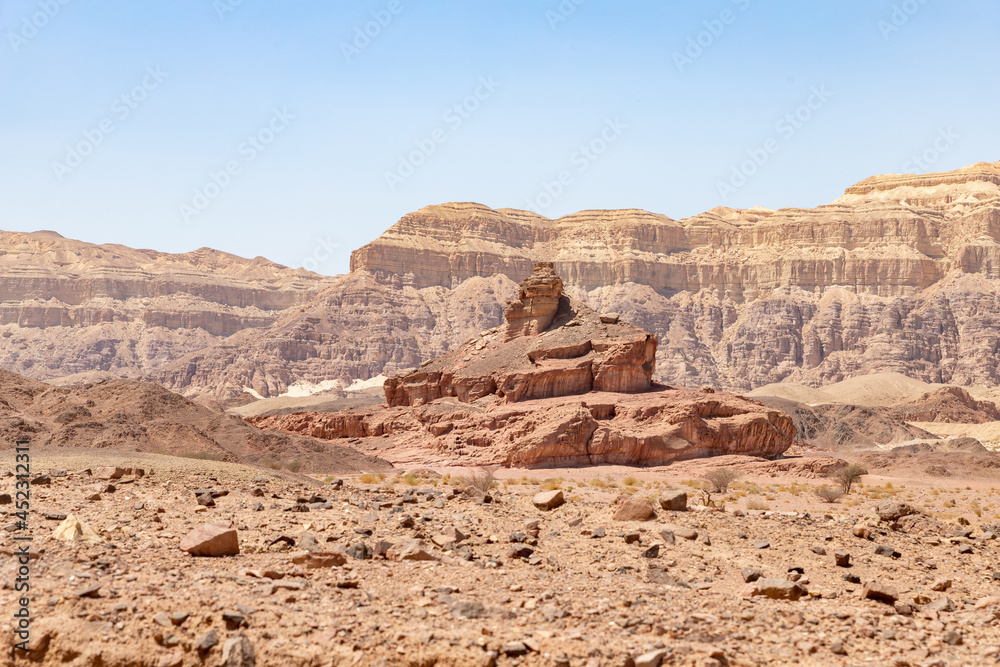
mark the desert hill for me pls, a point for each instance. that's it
(133, 416)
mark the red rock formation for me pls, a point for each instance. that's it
(513, 400)
(552, 346)
(948, 404)
(538, 300)
(652, 428)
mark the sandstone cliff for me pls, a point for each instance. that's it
(69, 307)
(901, 274)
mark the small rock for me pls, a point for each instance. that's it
(892, 510)
(632, 537)
(5, 499)
(598, 533)
(887, 551)
(238, 652)
(411, 550)
(548, 500)
(674, 500)
(467, 609)
(751, 574)
(943, 603)
(668, 536)
(207, 641)
(763, 544)
(633, 508)
(880, 592)
(862, 531)
(212, 539)
(109, 473)
(686, 533)
(233, 619)
(842, 558)
(652, 552)
(651, 659)
(941, 585)
(819, 551)
(74, 530)
(205, 500)
(778, 589)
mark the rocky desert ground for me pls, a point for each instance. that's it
(595, 566)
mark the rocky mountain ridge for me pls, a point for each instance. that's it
(900, 274)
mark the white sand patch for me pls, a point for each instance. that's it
(253, 393)
(358, 385)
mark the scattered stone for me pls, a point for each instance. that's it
(941, 585)
(819, 551)
(205, 500)
(207, 641)
(763, 544)
(751, 574)
(313, 560)
(842, 558)
(943, 603)
(880, 592)
(411, 550)
(212, 539)
(674, 500)
(548, 500)
(633, 508)
(650, 659)
(55, 516)
(652, 552)
(862, 531)
(598, 533)
(886, 550)
(238, 652)
(41, 480)
(778, 589)
(668, 536)
(5, 499)
(109, 473)
(467, 609)
(74, 530)
(686, 533)
(893, 510)
(632, 537)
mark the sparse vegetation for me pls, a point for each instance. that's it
(294, 466)
(632, 481)
(482, 479)
(409, 480)
(828, 494)
(849, 475)
(721, 478)
(369, 478)
(203, 456)
(552, 484)
(755, 504)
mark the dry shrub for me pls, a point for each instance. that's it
(482, 479)
(829, 495)
(721, 478)
(849, 475)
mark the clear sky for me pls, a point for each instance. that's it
(282, 129)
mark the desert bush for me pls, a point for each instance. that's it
(552, 484)
(203, 456)
(976, 508)
(274, 465)
(755, 504)
(482, 479)
(849, 475)
(409, 480)
(598, 483)
(721, 478)
(632, 481)
(294, 466)
(829, 495)
(369, 478)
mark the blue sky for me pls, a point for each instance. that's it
(272, 128)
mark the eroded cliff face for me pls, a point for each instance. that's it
(901, 273)
(70, 307)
